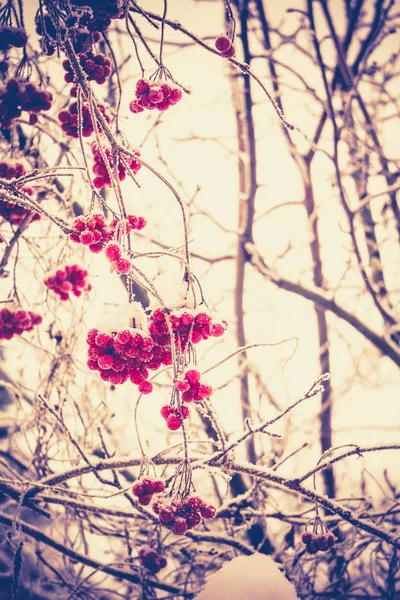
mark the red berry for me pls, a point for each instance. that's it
(159, 486)
(173, 422)
(145, 387)
(208, 511)
(229, 53)
(124, 336)
(193, 520)
(105, 362)
(180, 526)
(137, 489)
(184, 411)
(145, 499)
(123, 266)
(166, 515)
(306, 537)
(223, 43)
(182, 385)
(192, 376)
(166, 411)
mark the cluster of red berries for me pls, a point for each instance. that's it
(71, 279)
(224, 45)
(16, 214)
(144, 489)
(173, 416)
(152, 560)
(12, 37)
(15, 322)
(318, 541)
(93, 231)
(101, 13)
(191, 387)
(96, 66)
(11, 170)
(187, 325)
(125, 354)
(11, 212)
(82, 39)
(18, 96)
(69, 120)
(181, 515)
(100, 169)
(154, 94)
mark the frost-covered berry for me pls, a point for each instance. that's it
(145, 387)
(180, 526)
(223, 43)
(173, 422)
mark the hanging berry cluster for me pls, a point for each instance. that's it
(69, 120)
(180, 515)
(144, 489)
(188, 326)
(225, 46)
(71, 279)
(96, 66)
(8, 210)
(154, 94)
(102, 172)
(100, 13)
(125, 354)
(16, 322)
(315, 542)
(173, 416)
(81, 38)
(152, 560)
(12, 37)
(17, 96)
(93, 231)
(191, 387)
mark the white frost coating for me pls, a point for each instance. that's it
(122, 318)
(172, 290)
(254, 577)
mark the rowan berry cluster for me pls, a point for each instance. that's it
(102, 172)
(16, 322)
(125, 354)
(154, 94)
(16, 214)
(12, 37)
(188, 326)
(11, 212)
(93, 231)
(71, 279)
(173, 416)
(191, 387)
(69, 120)
(100, 13)
(144, 489)
(181, 515)
(17, 96)
(82, 39)
(152, 560)
(96, 66)
(318, 541)
(224, 45)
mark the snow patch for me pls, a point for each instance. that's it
(255, 577)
